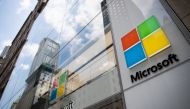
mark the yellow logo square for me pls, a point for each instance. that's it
(155, 42)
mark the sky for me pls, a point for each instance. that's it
(60, 20)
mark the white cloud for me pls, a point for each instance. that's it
(86, 11)
(24, 66)
(57, 15)
(6, 42)
(96, 28)
(29, 50)
(61, 14)
(24, 5)
(53, 13)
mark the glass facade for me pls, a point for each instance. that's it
(89, 60)
(89, 57)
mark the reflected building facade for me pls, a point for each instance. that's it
(38, 82)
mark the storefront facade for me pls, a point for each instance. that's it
(151, 69)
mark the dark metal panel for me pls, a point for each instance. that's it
(176, 12)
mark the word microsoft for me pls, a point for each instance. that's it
(172, 58)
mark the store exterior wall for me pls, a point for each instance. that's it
(164, 88)
(93, 92)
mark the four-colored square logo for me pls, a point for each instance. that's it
(144, 41)
(58, 86)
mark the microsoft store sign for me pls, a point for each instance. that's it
(142, 43)
(58, 85)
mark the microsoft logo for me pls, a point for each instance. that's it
(144, 41)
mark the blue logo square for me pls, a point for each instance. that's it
(53, 94)
(134, 55)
